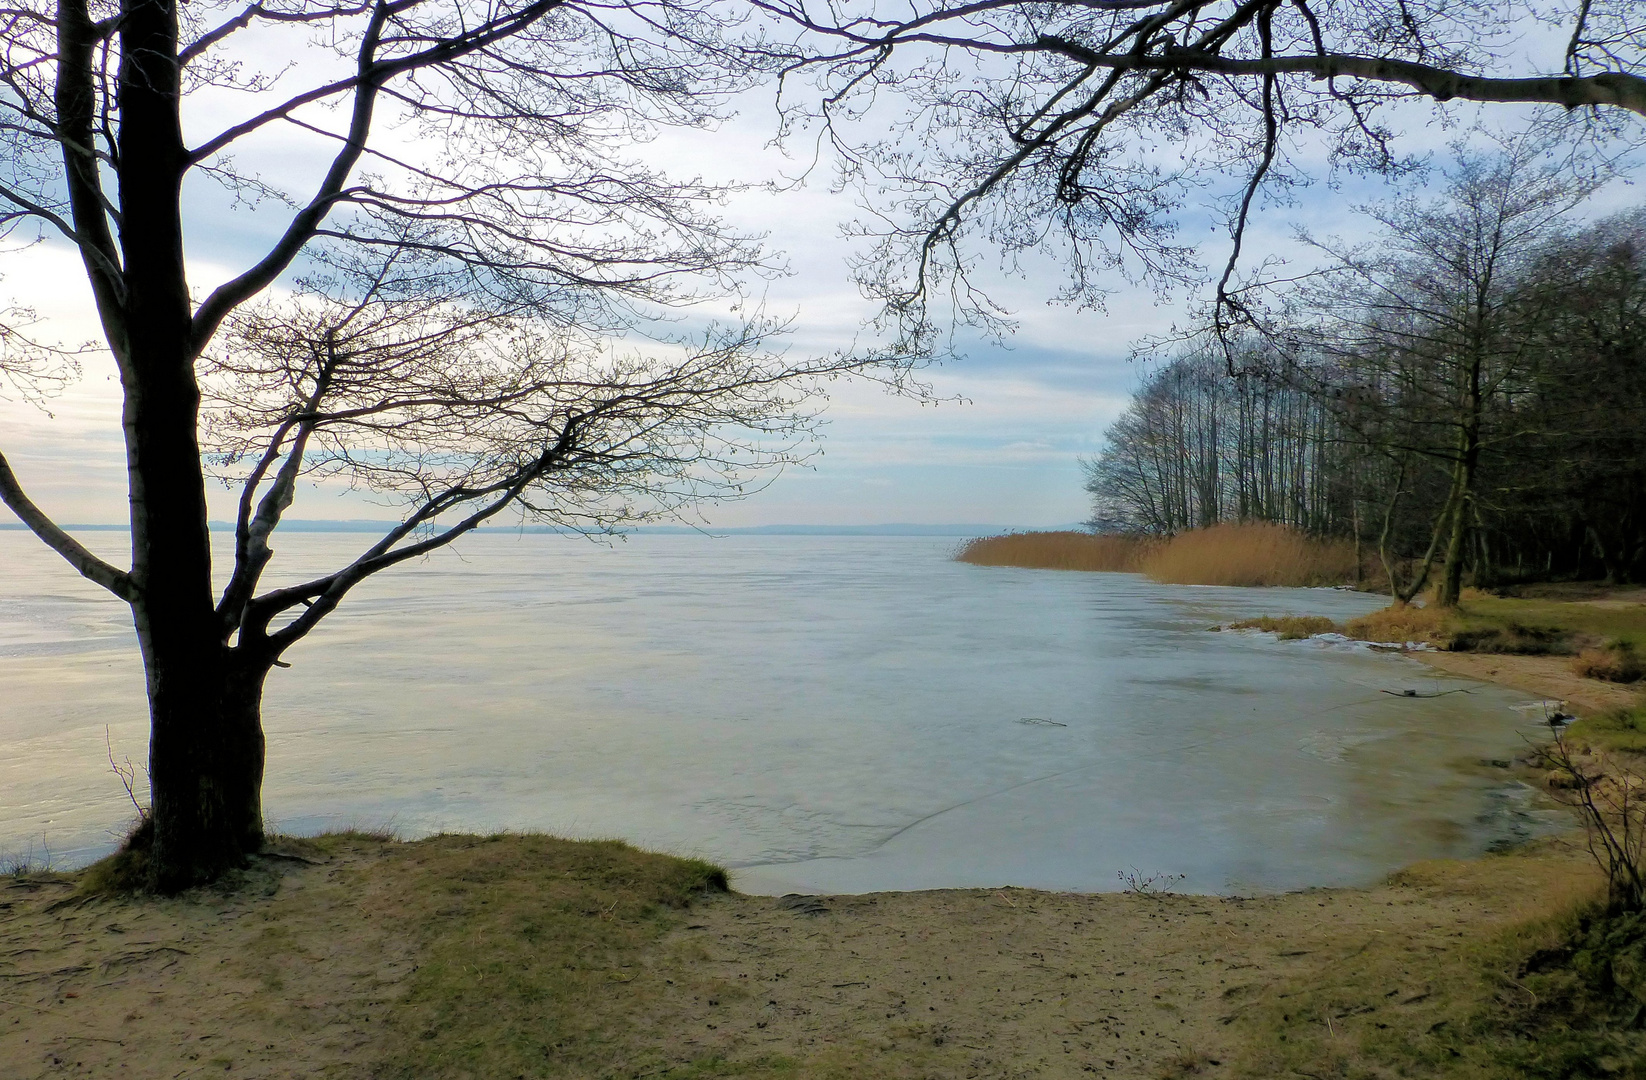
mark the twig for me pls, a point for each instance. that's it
(23, 1005)
(1437, 693)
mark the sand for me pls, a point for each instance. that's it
(302, 971)
(1548, 677)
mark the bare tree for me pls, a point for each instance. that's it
(1052, 126)
(1195, 448)
(1422, 336)
(477, 235)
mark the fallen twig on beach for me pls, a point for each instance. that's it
(1435, 694)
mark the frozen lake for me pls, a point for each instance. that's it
(820, 714)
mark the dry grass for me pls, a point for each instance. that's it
(1616, 662)
(1057, 551)
(1289, 627)
(1408, 623)
(1250, 554)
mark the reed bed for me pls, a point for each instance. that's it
(1244, 554)
(1064, 550)
(1251, 553)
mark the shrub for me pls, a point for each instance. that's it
(1616, 662)
(1253, 553)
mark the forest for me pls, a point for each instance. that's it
(1460, 397)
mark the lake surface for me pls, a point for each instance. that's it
(820, 714)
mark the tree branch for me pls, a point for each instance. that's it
(370, 76)
(1607, 88)
(75, 97)
(90, 566)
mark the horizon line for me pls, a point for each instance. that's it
(362, 525)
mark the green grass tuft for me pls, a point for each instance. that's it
(1615, 730)
(126, 871)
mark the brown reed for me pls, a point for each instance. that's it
(1065, 550)
(1250, 553)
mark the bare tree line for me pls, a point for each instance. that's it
(1461, 395)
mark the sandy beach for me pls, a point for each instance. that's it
(310, 966)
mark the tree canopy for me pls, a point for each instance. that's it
(1079, 129)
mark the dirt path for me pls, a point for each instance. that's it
(300, 973)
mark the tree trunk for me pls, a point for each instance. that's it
(1463, 494)
(205, 763)
(205, 749)
(1451, 575)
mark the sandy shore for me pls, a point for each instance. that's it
(309, 969)
(1549, 677)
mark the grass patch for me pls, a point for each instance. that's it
(531, 955)
(1250, 554)
(1557, 991)
(1288, 627)
(1615, 730)
(1057, 551)
(1512, 638)
(127, 870)
(1586, 622)
(1496, 624)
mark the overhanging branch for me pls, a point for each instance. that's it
(90, 566)
(1613, 88)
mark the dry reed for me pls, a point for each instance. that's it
(1407, 622)
(1251, 553)
(1056, 551)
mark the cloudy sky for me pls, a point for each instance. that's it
(1001, 446)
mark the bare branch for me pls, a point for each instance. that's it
(90, 566)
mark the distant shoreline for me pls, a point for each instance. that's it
(368, 526)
